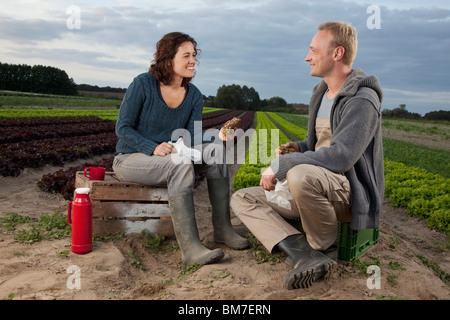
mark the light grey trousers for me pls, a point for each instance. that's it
(321, 198)
(178, 175)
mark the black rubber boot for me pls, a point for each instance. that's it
(185, 227)
(331, 252)
(308, 264)
(219, 195)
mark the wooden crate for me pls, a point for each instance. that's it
(127, 207)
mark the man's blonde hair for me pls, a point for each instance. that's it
(345, 35)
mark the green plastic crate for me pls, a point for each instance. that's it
(353, 243)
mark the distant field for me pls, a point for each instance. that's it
(434, 134)
(30, 105)
(10, 99)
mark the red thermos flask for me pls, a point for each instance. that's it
(79, 216)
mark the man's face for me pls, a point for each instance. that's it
(320, 55)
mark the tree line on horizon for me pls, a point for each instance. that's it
(51, 80)
(36, 79)
(244, 98)
(401, 112)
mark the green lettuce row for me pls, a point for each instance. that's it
(299, 120)
(207, 110)
(423, 194)
(298, 132)
(57, 113)
(249, 173)
(62, 113)
(433, 160)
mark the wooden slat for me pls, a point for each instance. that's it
(129, 210)
(82, 182)
(128, 193)
(160, 227)
(113, 190)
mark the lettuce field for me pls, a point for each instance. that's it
(417, 174)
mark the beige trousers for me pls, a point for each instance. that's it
(321, 198)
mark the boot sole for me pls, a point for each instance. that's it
(303, 279)
(297, 279)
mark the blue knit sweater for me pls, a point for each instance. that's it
(145, 121)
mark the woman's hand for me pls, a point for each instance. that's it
(163, 149)
(228, 132)
(231, 133)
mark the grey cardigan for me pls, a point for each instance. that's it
(356, 148)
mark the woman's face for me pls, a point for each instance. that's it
(184, 61)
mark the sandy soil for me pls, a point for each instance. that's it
(39, 271)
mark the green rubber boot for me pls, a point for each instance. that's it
(185, 227)
(219, 195)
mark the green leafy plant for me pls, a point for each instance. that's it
(12, 220)
(136, 260)
(47, 227)
(190, 269)
(423, 194)
(152, 241)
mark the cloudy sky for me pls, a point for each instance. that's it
(260, 43)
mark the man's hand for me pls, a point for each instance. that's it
(268, 180)
(292, 145)
(163, 149)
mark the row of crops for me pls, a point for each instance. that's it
(416, 177)
(39, 138)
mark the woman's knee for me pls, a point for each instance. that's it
(181, 174)
(184, 170)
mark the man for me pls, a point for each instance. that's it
(337, 173)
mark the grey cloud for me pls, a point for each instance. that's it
(96, 59)
(409, 51)
(29, 31)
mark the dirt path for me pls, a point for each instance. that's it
(432, 141)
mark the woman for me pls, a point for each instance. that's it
(156, 104)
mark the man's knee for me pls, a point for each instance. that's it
(301, 177)
(245, 200)
(236, 201)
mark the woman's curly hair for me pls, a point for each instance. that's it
(166, 49)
